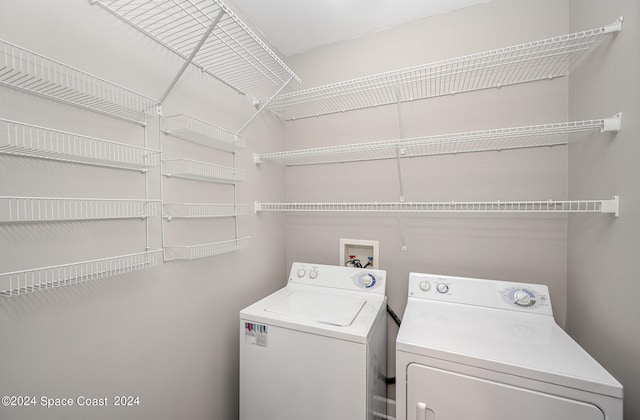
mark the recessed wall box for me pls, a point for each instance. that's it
(361, 249)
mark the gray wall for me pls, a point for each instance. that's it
(508, 247)
(603, 264)
(170, 334)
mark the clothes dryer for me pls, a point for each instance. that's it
(485, 349)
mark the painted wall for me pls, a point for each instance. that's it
(168, 335)
(603, 265)
(507, 247)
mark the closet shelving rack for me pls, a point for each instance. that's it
(202, 171)
(549, 206)
(201, 211)
(41, 76)
(229, 50)
(28, 71)
(46, 278)
(192, 252)
(22, 139)
(191, 129)
(538, 60)
(468, 142)
(51, 209)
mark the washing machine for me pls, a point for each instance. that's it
(491, 350)
(316, 349)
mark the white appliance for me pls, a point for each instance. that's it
(491, 350)
(316, 349)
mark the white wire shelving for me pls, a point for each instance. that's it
(28, 140)
(232, 52)
(50, 209)
(202, 171)
(193, 252)
(538, 60)
(474, 141)
(46, 278)
(548, 206)
(201, 211)
(39, 75)
(188, 128)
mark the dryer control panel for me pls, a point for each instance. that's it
(350, 278)
(481, 292)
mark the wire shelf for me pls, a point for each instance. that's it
(39, 279)
(194, 130)
(198, 211)
(36, 74)
(50, 209)
(201, 171)
(545, 59)
(193, 252)
(232, 53)
(548, 206)
(22, 139)
(475, 141)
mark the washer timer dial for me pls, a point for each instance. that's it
(364, 280)
(524, 298)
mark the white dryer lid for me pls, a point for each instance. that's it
(320, 307)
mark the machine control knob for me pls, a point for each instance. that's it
(313, 274)
(367, 280)
(424, 286)
(301, 272)
(442, 288)
(521, 298)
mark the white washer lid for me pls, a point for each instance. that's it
(320, 307)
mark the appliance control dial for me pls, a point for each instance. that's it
(313, 274)
(301, 272)
(523, 297)
(364, 280)
(442, 287)
(425, 286)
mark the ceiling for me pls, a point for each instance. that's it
(297, 26)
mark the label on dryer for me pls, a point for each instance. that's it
(256, 334)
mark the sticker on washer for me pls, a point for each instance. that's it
(255, 334)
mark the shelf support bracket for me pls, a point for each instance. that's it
(186, 64)
(615, 26)
(611, 206)
(400, 151)
(257, 207)
(612, 124)
(259, 111)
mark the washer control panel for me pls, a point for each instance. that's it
(481, 292)
(351, 278)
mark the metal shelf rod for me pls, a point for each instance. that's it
(29, 140)
(192, 252)
(199, 210)
(28, 281)
(547, 206)
(533, 61)
(49, 209)
(474, 141)
(39, 75)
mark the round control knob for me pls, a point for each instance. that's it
(442, 288)
(367, 280)
(521, 298)
(424, 285)
(313, 274)
(301, 272)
